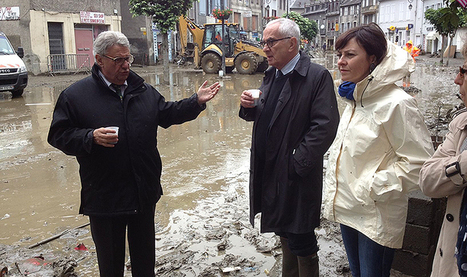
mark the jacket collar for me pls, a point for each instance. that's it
(396, 64)
(134, 81)
(462, 125)
(301, 67)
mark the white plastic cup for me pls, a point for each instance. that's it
(221, 73)
(255, 94)
(115, 128)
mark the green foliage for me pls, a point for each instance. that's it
(164, 13)
(447, 20)
(308, 28)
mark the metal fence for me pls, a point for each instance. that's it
(68, 63)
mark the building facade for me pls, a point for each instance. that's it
(46, 28)
(369, 11)
(332, 26)
(349, 14)
(317, 11)
(401, 21)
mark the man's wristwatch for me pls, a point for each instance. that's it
(453, 172)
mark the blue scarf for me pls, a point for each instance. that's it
(346, 90)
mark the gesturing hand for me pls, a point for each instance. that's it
(207, 93)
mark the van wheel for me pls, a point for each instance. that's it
(17, 93)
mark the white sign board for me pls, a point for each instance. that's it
(92, 17)
(247, 14)
(9, 13)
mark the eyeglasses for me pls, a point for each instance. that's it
(462, 70)
(270, 42)
(120, 60)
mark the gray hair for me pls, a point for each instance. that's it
(108, 39)
(287, 28)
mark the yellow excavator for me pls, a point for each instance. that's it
(206, 49)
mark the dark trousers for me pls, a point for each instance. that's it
(366, 257)
(108, 233)
(302, 245)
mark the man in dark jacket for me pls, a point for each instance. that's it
(120, 173)
(295, 122)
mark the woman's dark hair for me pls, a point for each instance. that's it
(370, 37)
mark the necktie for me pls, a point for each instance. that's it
(118, 90)
(279, 74)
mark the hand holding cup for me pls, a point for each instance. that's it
(250, 97)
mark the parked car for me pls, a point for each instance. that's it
(13, 72)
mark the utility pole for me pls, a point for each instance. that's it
(222, 40)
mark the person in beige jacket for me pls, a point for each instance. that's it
(444, 176)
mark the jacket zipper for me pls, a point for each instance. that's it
(339, 158)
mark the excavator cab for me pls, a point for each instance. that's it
(213, 35)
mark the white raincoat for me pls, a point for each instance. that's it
(374, 162)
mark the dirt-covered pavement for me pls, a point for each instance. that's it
(202, 226)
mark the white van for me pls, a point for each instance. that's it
(13, 72)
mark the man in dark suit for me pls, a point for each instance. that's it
(295, 122)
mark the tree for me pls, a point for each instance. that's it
(308, 28)
(164, 13)
(446, 21)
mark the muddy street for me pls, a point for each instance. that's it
(202, 226)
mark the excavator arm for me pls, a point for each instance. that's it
(186, 25)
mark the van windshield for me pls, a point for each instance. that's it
(5, 46)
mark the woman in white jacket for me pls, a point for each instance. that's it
(381, 144)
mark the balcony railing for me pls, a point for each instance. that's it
(370, 9)
(68, 63)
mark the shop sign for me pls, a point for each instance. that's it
(9, 13)
(92, 17)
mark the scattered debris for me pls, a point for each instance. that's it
(65, 268)
(231, 269)
(81, 247)
(56, 236)
(4, 272)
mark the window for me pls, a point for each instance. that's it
(254, 23)
(402, 6)
(202, 7)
